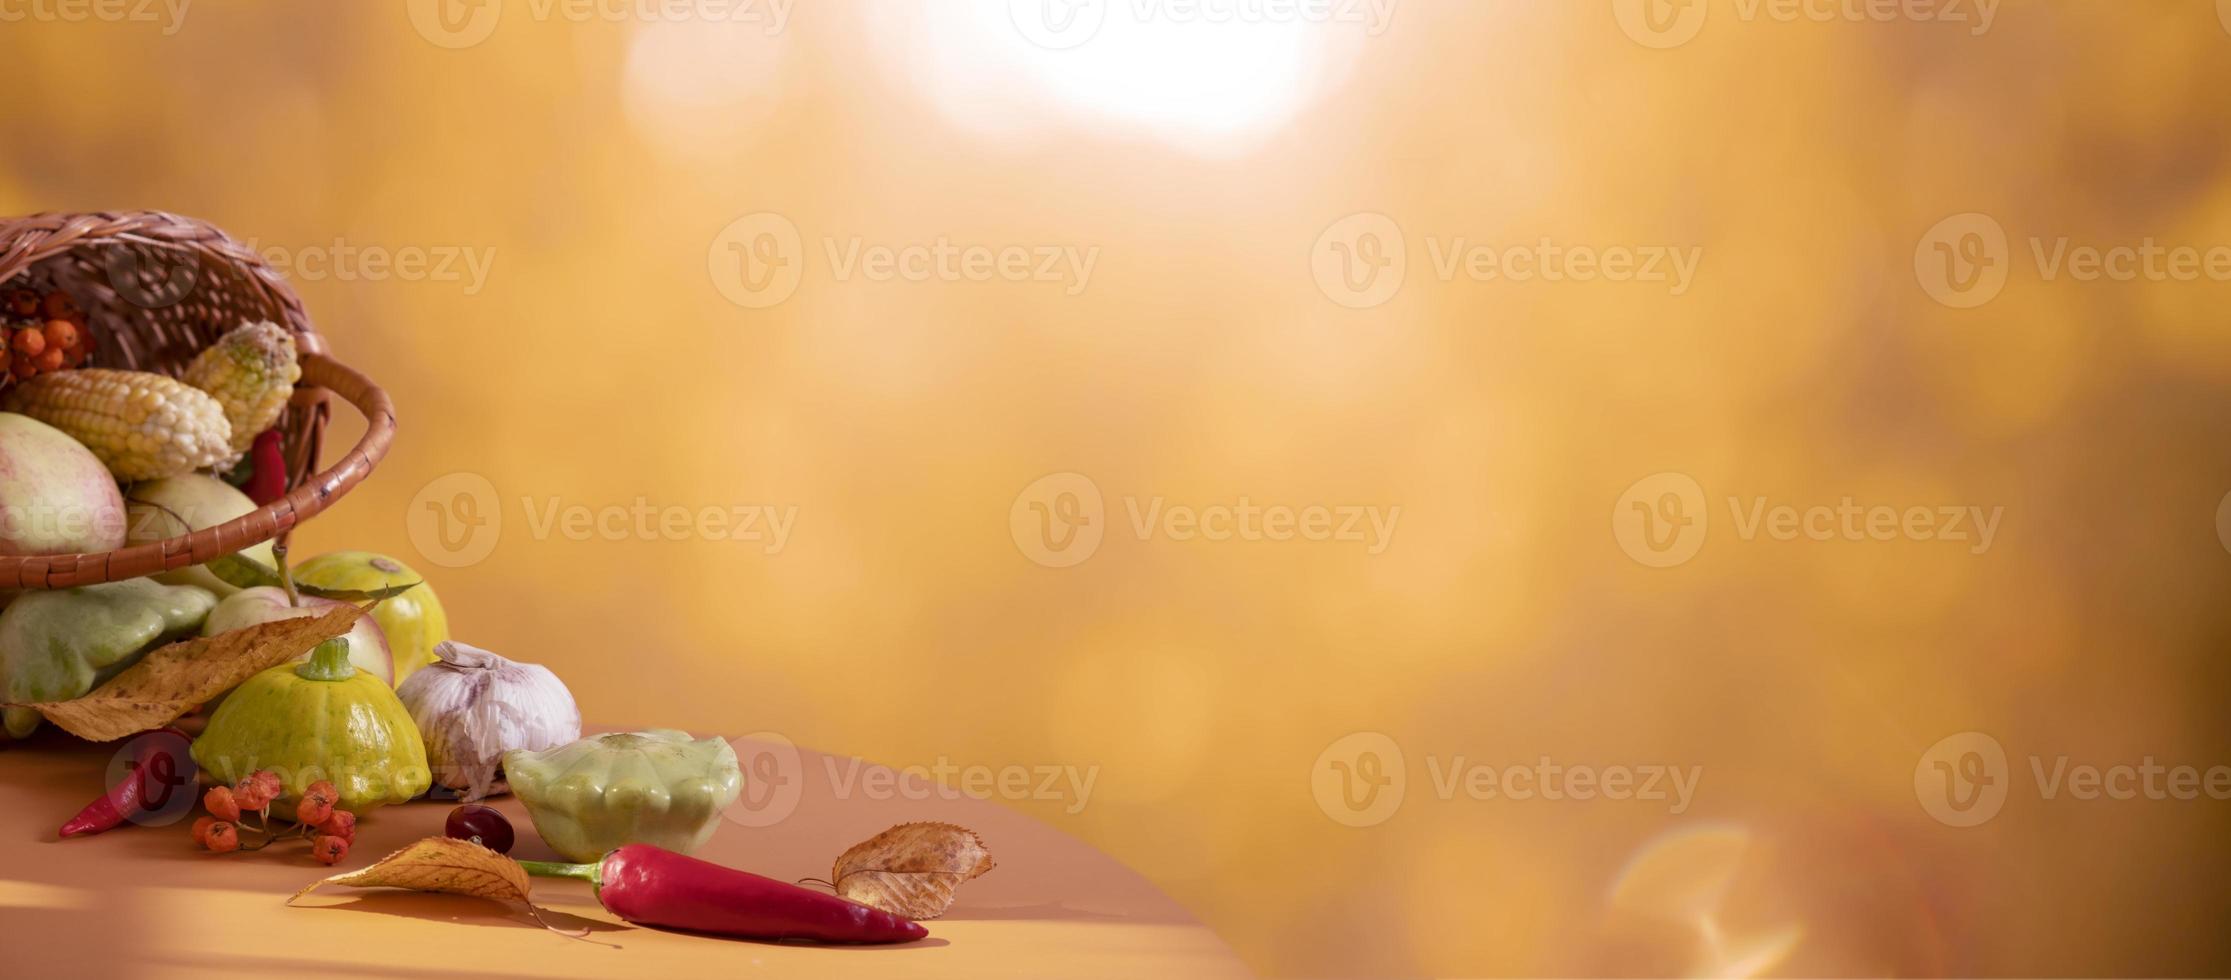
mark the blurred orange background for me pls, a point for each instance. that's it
(613, 323)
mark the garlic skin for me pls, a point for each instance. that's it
(473, 706)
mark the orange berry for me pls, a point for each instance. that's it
(253, 794)
(51, 360)
(201, 831)
(23, 302)
(58, 306)
(222, 802)
(23, 366)
(61, 333)
(222, 837)
(330, 849)
(341, 824)
(313, 810)
(28, 342)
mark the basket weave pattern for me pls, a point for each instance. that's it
(156, 289)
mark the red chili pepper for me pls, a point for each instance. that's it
(160, 764)
(269, 481)
(652, 886)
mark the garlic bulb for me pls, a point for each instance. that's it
(472, 706)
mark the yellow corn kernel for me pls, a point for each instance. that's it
(143, 426)
(251, 372)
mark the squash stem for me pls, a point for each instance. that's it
(555, 869)
(329, 662)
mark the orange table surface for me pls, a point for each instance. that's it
(143, 901)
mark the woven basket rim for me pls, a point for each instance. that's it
(29, 240)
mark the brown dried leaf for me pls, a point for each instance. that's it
(447, 865)
(173, 680)
(912, 869)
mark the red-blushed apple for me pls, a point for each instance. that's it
(268, 603)
(55, 497)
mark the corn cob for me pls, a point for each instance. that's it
(252, 372)
(143, 426)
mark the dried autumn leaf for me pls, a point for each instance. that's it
(447, 865)
(912, 869)
(172, 680)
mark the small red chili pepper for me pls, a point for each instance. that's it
(652, 886)
(269, 481)
(160, 765)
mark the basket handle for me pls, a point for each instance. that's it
(264, 523)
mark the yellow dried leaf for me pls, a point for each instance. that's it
(172, 680)
(912, 869)
(446, 865)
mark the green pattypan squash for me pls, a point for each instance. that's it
(656, 787)
(318, 719)
(61, 644)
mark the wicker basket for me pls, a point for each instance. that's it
(156, 288)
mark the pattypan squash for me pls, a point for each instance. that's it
(319, 719)
(657, 787)
(61, 644)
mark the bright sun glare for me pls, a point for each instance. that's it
(1204, 81)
